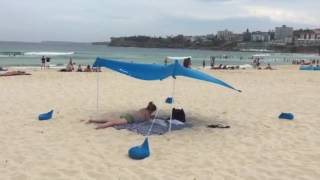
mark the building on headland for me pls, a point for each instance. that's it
(247, 36)
(204, 38)
(187, 38)
(271, 34)
(307, 37)
(224, 35)
(284, 34)
(237, 37)
(259, 36)
(282, 39)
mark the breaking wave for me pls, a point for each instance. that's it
(44, 53)
(40, 53)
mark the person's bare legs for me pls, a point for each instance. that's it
(112, 123)
(100, 121)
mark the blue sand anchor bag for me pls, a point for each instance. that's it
(169, 100)
(46, 116)
(288, 116)
(140, 152)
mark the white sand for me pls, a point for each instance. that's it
(258, 145)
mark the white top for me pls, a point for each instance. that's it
(178, 58)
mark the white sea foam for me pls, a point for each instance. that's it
(260, 55)
(44, 53)
(178, 58)
(34, 67)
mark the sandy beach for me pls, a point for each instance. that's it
(258, 146)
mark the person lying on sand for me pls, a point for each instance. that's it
(69, 68)
(3, 69)
(14, 73)
(144, 114)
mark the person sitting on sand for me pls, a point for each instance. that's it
(224, 67)
(3, 69)
(69, 68)
(88, 69)
(79, 68)
(14, 73)
(96, 69)
(144, 114)
(268, 67)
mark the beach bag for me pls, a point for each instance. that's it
(178, 114)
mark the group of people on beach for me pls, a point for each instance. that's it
(45, 62)
(186, 62)
(256, 64)
(304, 62)
(71, 68)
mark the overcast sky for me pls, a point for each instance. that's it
(98, 20)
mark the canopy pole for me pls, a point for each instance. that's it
(173, 100)
(98, 81)
(154, 119)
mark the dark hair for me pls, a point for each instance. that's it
(151, 107)
(187, 62)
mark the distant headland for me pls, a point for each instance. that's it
(282, 39)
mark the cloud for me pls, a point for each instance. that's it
(94, 20)
(281, 15)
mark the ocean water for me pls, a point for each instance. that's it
(29, 54)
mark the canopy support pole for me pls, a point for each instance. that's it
(173, 100)
(98, 88)
(154, 119)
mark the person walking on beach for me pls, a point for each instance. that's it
(203, 63)
(212, 58)
(144, 114)
(43, 62)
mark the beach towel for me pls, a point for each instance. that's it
(160, 126)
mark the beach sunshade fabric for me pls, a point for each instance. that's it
(157, 71)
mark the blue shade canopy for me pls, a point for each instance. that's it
(156, 71)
